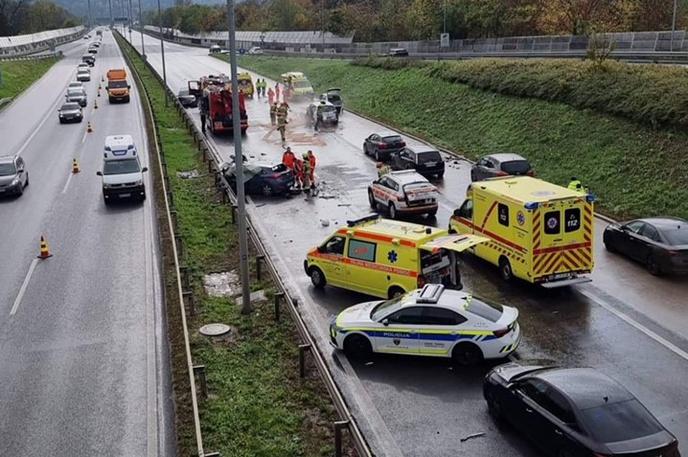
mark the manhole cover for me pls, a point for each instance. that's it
(214, 329)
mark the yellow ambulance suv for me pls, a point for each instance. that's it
(538, 231)
(387, 258)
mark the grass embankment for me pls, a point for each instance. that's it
(258, 405)
(633, 168)
(19, 74)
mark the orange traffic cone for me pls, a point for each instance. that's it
(45, 251)
(75, 166)
(99, 86)
(102, 79)
(95, 104)
(98, 92)
(89, 129)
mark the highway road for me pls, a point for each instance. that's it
(83, 361)
(625, 323)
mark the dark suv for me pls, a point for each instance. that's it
(426, 161)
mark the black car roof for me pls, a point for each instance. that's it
(664, 222)
(585, 387)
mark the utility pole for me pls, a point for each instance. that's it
(162, 51)
(143, 49)
(673, 24)
(239, 165)
(322, 23)
(112, 19)
(131, 22)
(444, 29)
(89, 22)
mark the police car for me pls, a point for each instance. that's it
(403, 192)
(432, 321)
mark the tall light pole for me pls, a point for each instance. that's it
(322, 23)
(143, 49)
(239, 164)
(444, 29)
(112, 19)
(90, 19)
(131, 22)
(162, 52)
(673, 24)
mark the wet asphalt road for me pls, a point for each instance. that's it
(625, 323)
(83, 364)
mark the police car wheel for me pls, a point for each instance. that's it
(505, 270)
(317, 277)
(357, 347)
(371, 199)
(392, 211)
(466, 354)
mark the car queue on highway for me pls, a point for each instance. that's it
(401, 260)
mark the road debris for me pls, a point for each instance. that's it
(471, 436)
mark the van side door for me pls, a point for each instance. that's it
(363, 273)
(400, 332)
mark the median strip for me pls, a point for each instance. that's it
(257, 403)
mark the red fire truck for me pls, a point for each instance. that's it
(215, 96)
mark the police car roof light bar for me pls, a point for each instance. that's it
(361, 220)
(430, 293)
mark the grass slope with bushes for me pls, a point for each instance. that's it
(633, 168)
(258, 406)
(17, 75)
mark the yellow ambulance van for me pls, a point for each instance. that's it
(386, 258)
(538, 231)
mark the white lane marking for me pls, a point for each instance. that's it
(69, 179)
(630, 321)
(22, 290)
(83, 138)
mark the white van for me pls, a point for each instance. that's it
(122, 172)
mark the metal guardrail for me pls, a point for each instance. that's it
(308, 343)
(19, 45)
(150, 118)
(49, 55)
(661, 46)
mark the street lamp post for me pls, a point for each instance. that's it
(239, 165)
(444, 28)
(673, 24)
(131, 22)
(162, 52)
(143, 49)
(112, 20)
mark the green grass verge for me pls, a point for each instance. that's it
(258, 405)
(635, 170)
(650, 94)
(20, 74)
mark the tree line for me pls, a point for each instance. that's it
(395, 20)
(18, 17)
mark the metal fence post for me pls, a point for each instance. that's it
(338, 427)
(302, 359)
(199, 370)
(259, 264)
(278, 297)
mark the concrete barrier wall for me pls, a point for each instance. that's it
(21, 45)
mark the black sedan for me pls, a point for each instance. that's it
(575, 412)
(261, 179)
(187, 99)
(70, 112)
(382, 145)
(661, 243)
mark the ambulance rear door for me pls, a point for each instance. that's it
(439, 258)
(562, 239)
